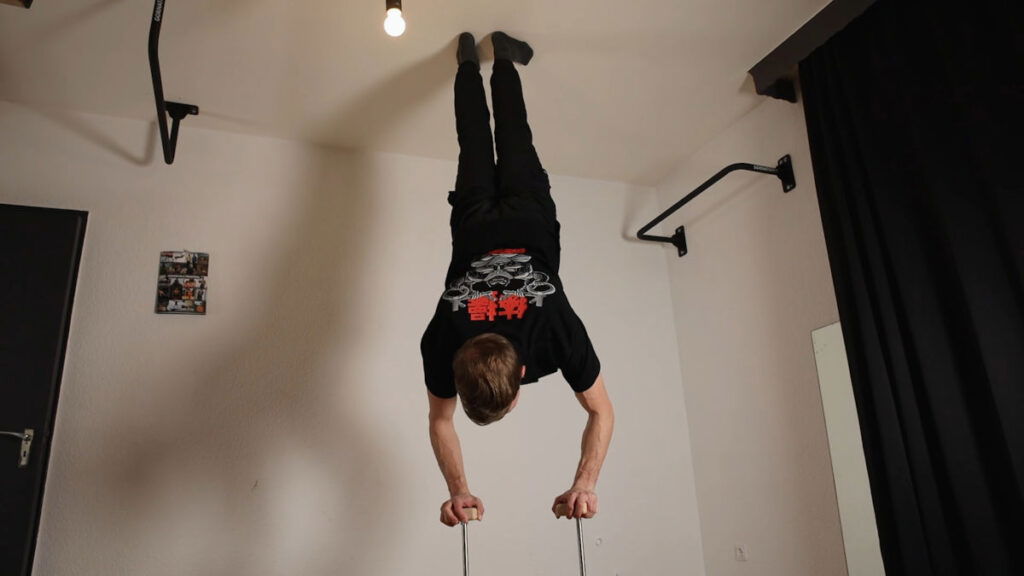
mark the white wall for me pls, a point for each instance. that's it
(754, 285)
(285, 432)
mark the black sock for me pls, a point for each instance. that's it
(467, 50)
(509, 48)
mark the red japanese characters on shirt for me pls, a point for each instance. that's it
(487, 307)
(483, 307)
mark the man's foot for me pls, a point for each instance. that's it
(508, 48)
(467, 50)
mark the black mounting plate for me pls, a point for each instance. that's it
(679, 241)
(785, 168)
(177, 110)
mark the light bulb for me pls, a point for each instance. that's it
(394, 24)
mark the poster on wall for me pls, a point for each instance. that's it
(181, 285)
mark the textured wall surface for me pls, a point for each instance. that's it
(285, 432)
(755, 284)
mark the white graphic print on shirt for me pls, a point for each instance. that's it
(507, 271)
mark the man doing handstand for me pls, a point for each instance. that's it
(504, 318)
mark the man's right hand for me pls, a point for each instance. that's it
(453, 510)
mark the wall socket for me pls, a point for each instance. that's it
(740, 551)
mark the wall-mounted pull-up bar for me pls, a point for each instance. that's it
(784, 170)
(177, 110)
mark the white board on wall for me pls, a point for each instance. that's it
(856, 511)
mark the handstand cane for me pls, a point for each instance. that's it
(563, 510)
(473, 515)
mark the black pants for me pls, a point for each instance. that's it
(514, 188)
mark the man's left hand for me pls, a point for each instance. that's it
(579, 503)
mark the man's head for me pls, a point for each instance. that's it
(487, 377)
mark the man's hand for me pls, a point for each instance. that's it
(576, 500)
(453, 510)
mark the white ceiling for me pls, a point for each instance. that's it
(616, 91)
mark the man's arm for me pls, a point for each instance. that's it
(448, 452)
(596, 437)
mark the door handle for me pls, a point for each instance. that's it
(26, 444)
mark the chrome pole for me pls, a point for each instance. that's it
(465, 549)
(583, 559)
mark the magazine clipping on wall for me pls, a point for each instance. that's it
(181, 285)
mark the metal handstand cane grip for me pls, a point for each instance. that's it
(473, 514)
(560, 511)
(563, 510)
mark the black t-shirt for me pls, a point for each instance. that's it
(514, 293)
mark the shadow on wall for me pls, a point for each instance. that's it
(715, 201)
(86, 131)
(81, 16)
(283, 404)
(373, 113)
(640, 209)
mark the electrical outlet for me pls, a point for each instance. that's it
(740, 552)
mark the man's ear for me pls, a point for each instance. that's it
(522, 373)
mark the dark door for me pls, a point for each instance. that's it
(39, 254)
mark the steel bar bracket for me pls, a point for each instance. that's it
(176, 110)
(785, 173)
(679, 241)
(783, 170)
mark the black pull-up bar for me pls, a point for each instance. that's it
(784, 170)
(177, 110)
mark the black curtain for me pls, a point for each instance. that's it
(914, 114)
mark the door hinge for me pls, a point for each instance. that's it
(26, 444)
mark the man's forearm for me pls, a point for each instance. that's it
(448, 452)
(596, 438)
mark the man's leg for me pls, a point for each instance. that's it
(473, 124)
(519, 169)
(475, 184)
(522, 182)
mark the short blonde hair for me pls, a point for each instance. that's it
(488, 373)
